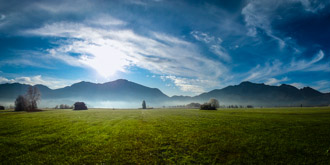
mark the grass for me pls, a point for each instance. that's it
(166, 136)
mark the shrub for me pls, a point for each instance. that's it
(63, 106)
(207, 106)
(249, 106)
(80, 106)
(21, 104)
(193, 105)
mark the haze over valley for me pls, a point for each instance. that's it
(126, 94)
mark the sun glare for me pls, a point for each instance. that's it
(105, 59)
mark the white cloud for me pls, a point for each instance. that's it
(298, 85)
(110, 50)
(4, 80)
(310, 65)
(195, 86)
(2, 17)
(24, 62)
(204, 37)
(105, 21)
(60, 7)
(277, 67)
(308, 6)
(214, 44)
(257, 15)
(274, 81)
(323, 85)
(38, 79)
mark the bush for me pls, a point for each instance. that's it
(21, 104)
(207, 106)
(2, 107)
(213, 104)
(63, 106)
(193, 105)
(80, 106)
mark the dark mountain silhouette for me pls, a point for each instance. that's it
(246, 93)
(119, 90)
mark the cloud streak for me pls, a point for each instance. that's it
(277, 67)
(257, 16)
(195, 86)
(109, 50)
(225, 43)
(38, 79)
(214, 44)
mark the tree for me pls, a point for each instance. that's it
(63, 106)
(21, 103)
(207, 106)
(80, 106)
(2, 107)
(144, 105)
(214, 103)
(32, 96)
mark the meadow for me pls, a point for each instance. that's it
(166, 136)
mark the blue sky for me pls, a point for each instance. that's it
(180, 47)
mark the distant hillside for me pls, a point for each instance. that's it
(119, 90)
(248, 93)
(115, 91)
(126, 92)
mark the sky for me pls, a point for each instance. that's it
(180, 47)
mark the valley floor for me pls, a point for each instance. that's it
(166, 136)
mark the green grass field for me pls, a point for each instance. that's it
(166, 136)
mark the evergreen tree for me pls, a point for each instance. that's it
(144, 105)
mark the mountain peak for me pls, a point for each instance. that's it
(245, 83)
(82, 82)
(309, 89)
(121, 80)
(248, 83)
(287, 86)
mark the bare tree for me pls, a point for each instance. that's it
(214, 103)
(32, 96)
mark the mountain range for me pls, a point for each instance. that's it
(125, 94)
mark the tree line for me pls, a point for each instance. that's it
(29, 102)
